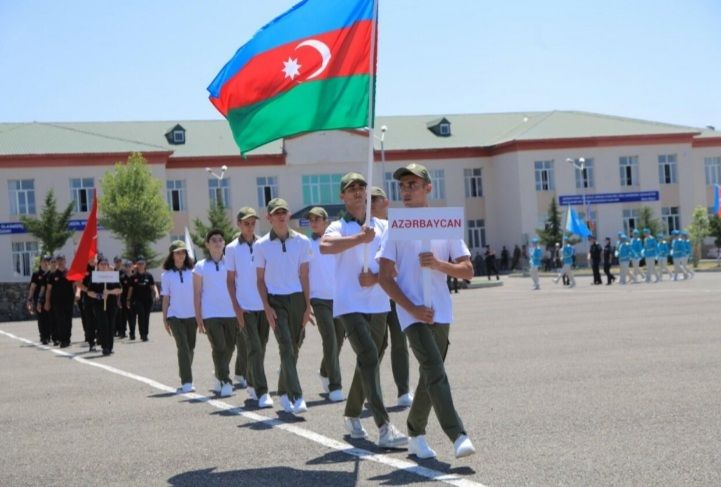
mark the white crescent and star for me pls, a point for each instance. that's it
(291, 68)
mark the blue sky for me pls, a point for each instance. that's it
(83, 60)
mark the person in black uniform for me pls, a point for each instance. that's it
(141, 295)
(120, 317)
(59, 300)
(34, 305)
(594, 253)
(490, 259)
(87, 310)
(103, 299)
(608, 252)
(128, 311)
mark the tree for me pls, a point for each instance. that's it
(132, 206)
(52, 227)
(646, 220)
(715, 232)
(217, 218)
(698, 230)
(553, 233)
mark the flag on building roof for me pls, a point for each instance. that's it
(309, 69)
(87, 248)
(575, 224)
(717, 200)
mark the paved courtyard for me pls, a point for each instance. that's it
(597, 385)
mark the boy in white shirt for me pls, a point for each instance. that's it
(426, 328)
(214, 313)
(247, 304)
(281, 260)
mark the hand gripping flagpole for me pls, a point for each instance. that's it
(371, 101)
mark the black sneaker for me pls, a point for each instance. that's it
(145, 339)
(64, 344)
(132, 337)
(92, 348)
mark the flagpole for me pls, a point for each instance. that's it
(371, 101)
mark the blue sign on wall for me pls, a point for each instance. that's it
(604, 198)
(17, 227)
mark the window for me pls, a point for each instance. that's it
(22, 196)
(476, 234)
(474, 182)
(628, 168)
(175, 192)
(544, 176)
(584, 178)
(321, 189)
(667, 169)
(219, 192)
(391, 186)
(670, 216)
(444, 129)
(23, 254)
(267, 189)
(178, 137)
(630, 220)
(712, 168)
(81, 191)
(438, 180)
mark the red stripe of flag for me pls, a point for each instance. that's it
(263, 77)
(87, 248)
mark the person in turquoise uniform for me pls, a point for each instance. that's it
(650, 253)
(662, 251)
(535, 254)
(678, 248)
(623, 252)
(687, 253)
(636, 255)
(567, 253)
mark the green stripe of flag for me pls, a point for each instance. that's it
(336, 103)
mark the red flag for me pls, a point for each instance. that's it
(87, 248)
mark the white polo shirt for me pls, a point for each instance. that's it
(239, 259)
(215, 300)
(178, 286)
(409, 279)
(322, 273)
(282, 260)
(348, 295)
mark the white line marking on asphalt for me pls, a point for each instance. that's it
(398, 464)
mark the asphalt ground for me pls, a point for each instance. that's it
(596, 385)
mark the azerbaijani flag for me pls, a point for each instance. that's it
(717, 200)
(88, 246)
(309, 69)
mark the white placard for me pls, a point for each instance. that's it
(425, 223)
(106, 276)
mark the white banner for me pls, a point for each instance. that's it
(106, 276)
(425, 223)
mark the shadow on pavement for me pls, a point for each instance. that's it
(263, 477)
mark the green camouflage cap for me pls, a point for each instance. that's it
(277, 204)
(177, 245)
(350, 178)
(377, 192)
(245, 213)
(415, 170)
(318, 211)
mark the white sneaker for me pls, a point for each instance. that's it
(405, 400)
(251, 393)
(354, 427)
(390, 437)
(240, 380)
(337, 395)
(285, 404)
(265, 401)
(463, 447)
(299, 406)
(418, 446)
(187, 387)
(324, 383)
(217, 386)
(226, 390)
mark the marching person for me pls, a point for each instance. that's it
(427, 328)
(687, 253)
(400, 363)
(636, 255)
(322, 282)
(248, 306)
(490, 260)
(120, 316)
(102, 298)
(361, 305)
(281, 260)
(662, 252)
(594, 254)
(38, 280)
(535, 254)
(86, 305)
(176, 283)
(677, 250)
(214, 314)
(624, 253)
(650, 252)
(608, 253)
(128, 313)
(141, 295)
(59, 298)
(567, 251)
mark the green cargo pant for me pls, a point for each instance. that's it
(289, 333)
(256, 339)
(400, 362)
(184, 332)
(430, 345)
(368, 335)
(332, 335)
(241, 355)
(221, 334)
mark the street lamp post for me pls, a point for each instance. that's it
(220, 176)
(581, 165)
(384, 129)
